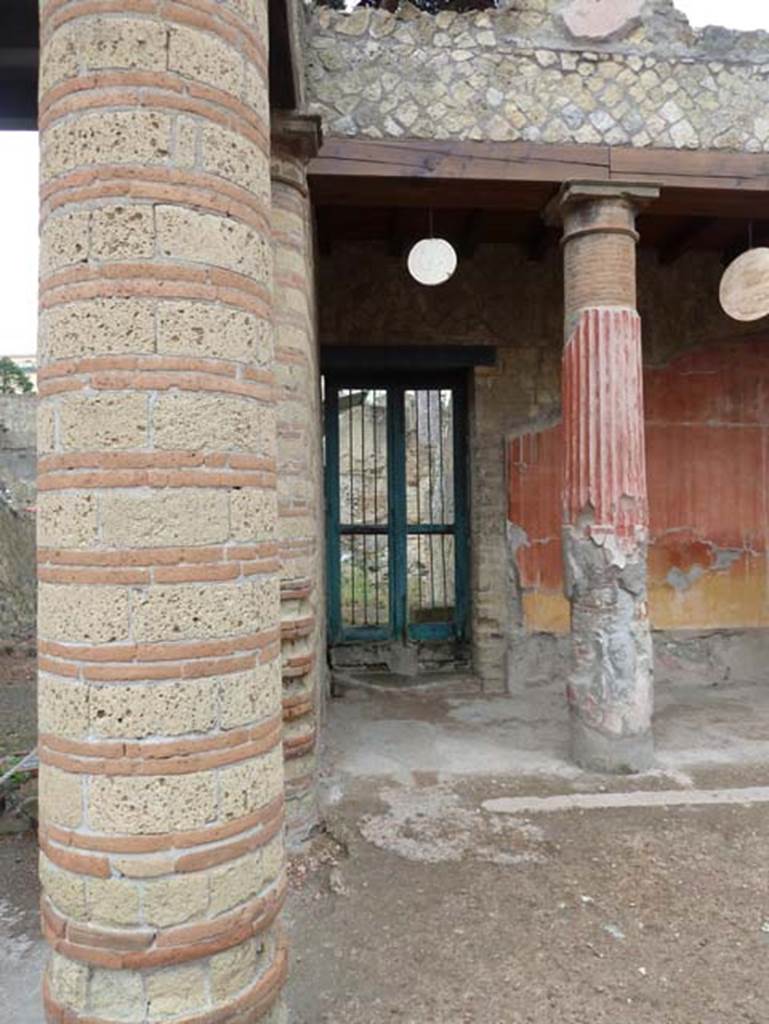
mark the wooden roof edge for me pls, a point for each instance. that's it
(437, 159)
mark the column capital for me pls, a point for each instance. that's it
(639, 194)
(296, 139)
(587, 206)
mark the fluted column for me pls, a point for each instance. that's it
(161, 781)
(605, 513)
(295, 139)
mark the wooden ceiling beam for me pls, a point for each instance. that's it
(522, 176)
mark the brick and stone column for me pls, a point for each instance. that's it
(161, 784)
(605, 516)
(300, 491)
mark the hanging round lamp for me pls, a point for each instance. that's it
(744, 289)
(432, 261)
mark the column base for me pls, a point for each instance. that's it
(594, 751)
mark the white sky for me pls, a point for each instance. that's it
(743, 14)
(18, 195)
(18, 243)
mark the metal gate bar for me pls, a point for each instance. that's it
(395, 470)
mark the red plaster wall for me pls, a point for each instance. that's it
(707, 445)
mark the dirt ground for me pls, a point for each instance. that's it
(618, 917)
(420, 906)
(417, 904)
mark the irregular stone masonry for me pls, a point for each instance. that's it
(161, 781)
(299, 475)
(519, 73)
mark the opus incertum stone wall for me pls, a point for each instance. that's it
(616, 72)
(161, 784)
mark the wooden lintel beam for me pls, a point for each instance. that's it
(514, 175)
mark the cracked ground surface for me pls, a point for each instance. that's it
(606, 917)
(419, 905)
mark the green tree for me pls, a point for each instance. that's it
(13, 380)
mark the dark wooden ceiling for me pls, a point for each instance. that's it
(499, 192)
(468, 226)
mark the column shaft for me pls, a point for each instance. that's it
(300, 488)
(605, 516)
(161, 782)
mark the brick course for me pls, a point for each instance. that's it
(160, 707)
(299, 466)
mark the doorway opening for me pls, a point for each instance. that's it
(397, 519)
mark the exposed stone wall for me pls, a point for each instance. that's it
(550, 71)
(161, 780)
(18, 457)
(503, 299)
(18, 463)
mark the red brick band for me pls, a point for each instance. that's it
(169, 574)
(215, 844)
(298, 665)
(131, 672)
(157, 91)
(173, 557)
(299, 785)
(201, 14)
(152, 363)
(296, 629)
(244, 1009)
(166, 274)
(211, 195)
(146, 948)
(106, 180)
(144, 459)
(154, 380)
(291, 356)
(96, 479)
(204, 289)
(295, 589)
(298, 707)
(162, 650)
(298, 746)
(170, 757)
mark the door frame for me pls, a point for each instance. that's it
(397, 382)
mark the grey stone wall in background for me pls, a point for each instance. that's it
(18, 463)
(540, 71)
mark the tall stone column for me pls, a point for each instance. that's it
(295, 139)
(605, 514)
(161, 782)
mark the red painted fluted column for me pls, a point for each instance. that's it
(605, 510)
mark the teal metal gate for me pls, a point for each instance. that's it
(396, 501)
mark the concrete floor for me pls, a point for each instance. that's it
(427, 900)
